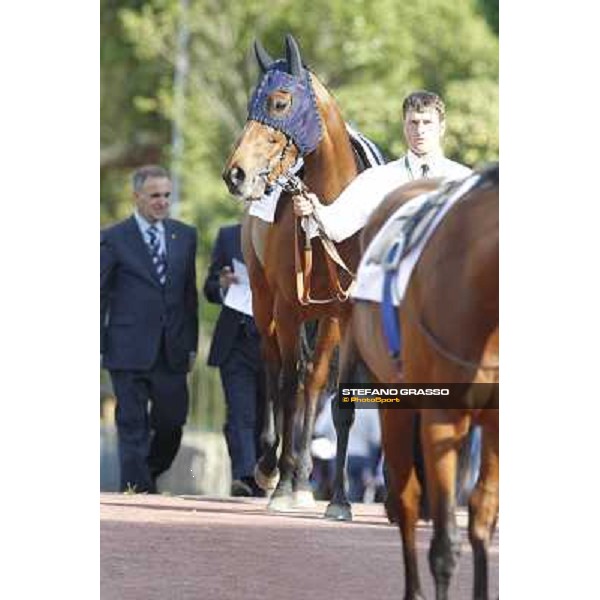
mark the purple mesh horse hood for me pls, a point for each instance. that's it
(302, 123)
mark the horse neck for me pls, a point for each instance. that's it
(331, 167)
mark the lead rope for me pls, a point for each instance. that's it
(296, 187)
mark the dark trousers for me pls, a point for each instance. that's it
(243, 382)
(360, 468)
(151, 410)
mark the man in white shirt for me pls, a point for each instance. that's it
(424, 116)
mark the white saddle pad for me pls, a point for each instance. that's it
(370, 274)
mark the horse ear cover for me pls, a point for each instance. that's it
(292, 53)
(303, 126)
(262, 56)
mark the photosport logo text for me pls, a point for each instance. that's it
(447, 395)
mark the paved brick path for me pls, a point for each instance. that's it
(192, 547)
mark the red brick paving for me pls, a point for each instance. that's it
(192, 547)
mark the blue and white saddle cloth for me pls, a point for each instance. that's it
(399, 243)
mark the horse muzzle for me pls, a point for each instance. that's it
(234, 179)
(242, 186)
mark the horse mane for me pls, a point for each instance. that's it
(335, 143)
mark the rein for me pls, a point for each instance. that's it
(293, 185)
(274, 175)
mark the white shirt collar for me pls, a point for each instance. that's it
(144, 225)
(432, 160)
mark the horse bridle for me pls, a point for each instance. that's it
(305, 133)
(273, 175)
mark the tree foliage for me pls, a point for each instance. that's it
(370, 54)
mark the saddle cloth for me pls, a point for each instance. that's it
(368, 156)
(399, 243)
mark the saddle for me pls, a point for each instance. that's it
(406, 230)
(403, 234)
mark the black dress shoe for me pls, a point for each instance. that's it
(257, 492)
(240, 488)
(380, 492)
(247, 487)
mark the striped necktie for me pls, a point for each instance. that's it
(158, 257)
(424, 171)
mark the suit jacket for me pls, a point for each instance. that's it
(135, 309)
(228, 246)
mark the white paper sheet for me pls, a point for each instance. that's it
(239, 295)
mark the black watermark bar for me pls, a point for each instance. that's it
(418, 395)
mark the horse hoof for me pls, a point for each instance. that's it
(280, 503)
(339, 512)
(265, 482)
(304, 499)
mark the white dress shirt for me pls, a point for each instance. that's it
(354, 205)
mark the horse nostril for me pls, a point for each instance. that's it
(237, 176)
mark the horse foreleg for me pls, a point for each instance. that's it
(339, 508)
(327, 339)
(441, 435)
(287, 328)
(404, 491)
(483, 505)
(266, 472)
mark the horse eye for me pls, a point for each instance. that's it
(279, 105)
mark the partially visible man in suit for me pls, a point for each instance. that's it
(235, 349)
(148, 328)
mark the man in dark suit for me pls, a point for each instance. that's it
(235, 349)
(148, 328)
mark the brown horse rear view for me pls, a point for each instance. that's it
(291, 114)
(450, 331)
